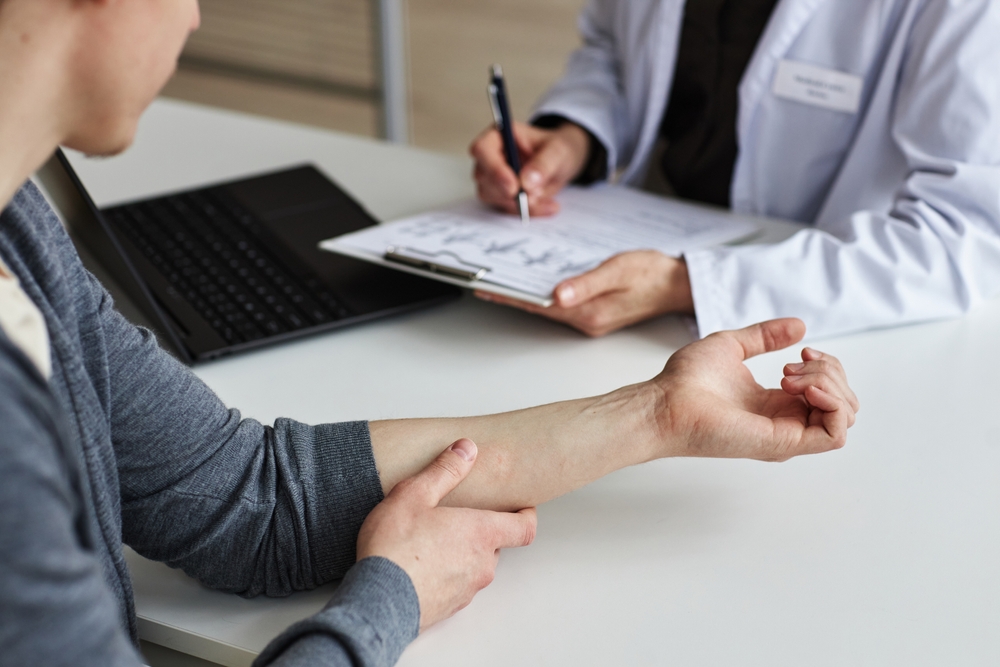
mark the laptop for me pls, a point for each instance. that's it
(236, 266)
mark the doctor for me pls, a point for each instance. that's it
(875, 123)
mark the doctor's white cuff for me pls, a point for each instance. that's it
(734, 288)
(710, 299)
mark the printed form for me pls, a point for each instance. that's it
(593, 225)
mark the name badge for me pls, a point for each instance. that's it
(826, 88)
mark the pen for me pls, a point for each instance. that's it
(501, 116)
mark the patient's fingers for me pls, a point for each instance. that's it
(515, 529)
(824, 430)
(835, 417)
(768, 336)
(809, 354)
(800, 385)
(826, 365)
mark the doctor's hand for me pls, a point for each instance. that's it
(549, 160)
(449, 553)
(711, 406)
(624, 290)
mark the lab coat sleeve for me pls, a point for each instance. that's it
(590, 93)
(936, 252)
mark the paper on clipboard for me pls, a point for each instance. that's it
(472, 246)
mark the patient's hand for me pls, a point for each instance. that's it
(710, 405)
(449, 553)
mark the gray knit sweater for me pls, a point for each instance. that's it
(124, 444)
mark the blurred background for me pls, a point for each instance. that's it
(334, 63)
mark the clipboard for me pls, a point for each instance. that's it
(472, 246)
(445, 267)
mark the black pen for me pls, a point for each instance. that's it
(505, 125)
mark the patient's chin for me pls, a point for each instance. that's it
(103, 144)
(118, 149)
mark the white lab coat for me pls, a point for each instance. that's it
(902, 197)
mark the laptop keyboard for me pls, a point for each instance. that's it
(228, 266)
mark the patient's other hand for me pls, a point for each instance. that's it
(449, 553)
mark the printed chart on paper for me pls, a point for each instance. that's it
(593, 225)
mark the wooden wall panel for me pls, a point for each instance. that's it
(328, 41)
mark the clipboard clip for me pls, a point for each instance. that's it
(446, 263)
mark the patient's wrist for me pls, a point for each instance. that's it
(643, 422)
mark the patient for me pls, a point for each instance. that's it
(107, 440)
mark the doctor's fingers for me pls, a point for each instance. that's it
(491, 160)
(498, 197)
(802, 385)
(555, 164)
(530, 138)
(601, 315)
(495, 194)
(613, 275)
(828, 366)
(595, 318)
(491, 168)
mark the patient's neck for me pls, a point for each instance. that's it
(31, 81)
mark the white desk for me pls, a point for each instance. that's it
(884, 553)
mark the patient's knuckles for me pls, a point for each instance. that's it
(530, 532)
(840, 441)
(404, 488)
(447, 468)
(481, 573)
(722, 339)
(825, 367)
(832, 361)
(490, 537)
(825, 384)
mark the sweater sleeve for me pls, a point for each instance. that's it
(243, 507)
(373, 616)
(55, 606)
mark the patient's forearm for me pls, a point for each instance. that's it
(529, 456)
(704, 403)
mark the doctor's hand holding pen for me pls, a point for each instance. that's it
(626, 289)
(550, 160)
